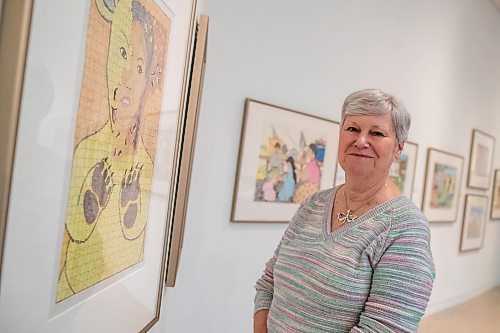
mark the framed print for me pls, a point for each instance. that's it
(187, 149)
(474, 223)
(481, 159)
(285, 156)
(442, 185)
(495, 197)
(95, 167)
(402, 171)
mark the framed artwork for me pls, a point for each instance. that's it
(95, 170)
(402, 171)
(495, 197)
(442, 185)
(187, 149)
(481, 159)
(474, 223)
(284, 156)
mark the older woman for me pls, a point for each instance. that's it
(355, 258)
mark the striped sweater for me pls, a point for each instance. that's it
(373, 274)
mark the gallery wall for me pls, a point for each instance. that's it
(440, 58)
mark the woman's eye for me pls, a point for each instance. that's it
(377, 133)
(139, 69)
(351, 129)
(123, 53)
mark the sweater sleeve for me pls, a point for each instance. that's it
(402, 279)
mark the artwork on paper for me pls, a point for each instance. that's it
(290, 164)
(115, 143)
(495, 198)
(481, 158)
(402, 170)
(442, 186)
(474, 223)
(285, 156)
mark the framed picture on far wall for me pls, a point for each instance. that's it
(402, 170)
(475, 212)
(284, 157)
(481, 159)
(442, 185)
(495, 197)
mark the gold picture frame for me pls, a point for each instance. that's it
(443, 176)
(480, 160)
(474, 222)
(187, 149)
(285, 155)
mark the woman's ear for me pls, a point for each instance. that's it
(399, 149)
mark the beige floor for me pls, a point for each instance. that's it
(477, 315)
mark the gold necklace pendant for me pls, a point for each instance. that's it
(346, 217)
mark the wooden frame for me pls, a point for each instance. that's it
(187, 149)
(284, 156)
(37, 184)
(481, 160)
(495, 197)
(474, 222)
(443, 176)
(15, 21)
(403, 169)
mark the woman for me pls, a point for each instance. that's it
(355, 258)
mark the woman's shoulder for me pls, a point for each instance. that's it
(320, 196)
(406, 214)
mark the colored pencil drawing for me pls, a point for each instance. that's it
(290, 164)
(443, 186)
(117, 126)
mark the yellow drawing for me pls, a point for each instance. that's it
(112, 167)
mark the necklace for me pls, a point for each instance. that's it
(349, 216)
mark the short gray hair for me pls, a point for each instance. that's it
(372, 102)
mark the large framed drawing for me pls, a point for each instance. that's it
(474, 223)
(187, 149)
(495, 197)
(442, 185)
(95, 166)
(402, 170)
(285, 156)
(481, 159)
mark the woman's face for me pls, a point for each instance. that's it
(367, 146)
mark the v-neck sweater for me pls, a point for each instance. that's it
(373, 274)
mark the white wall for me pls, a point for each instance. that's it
(440, 57)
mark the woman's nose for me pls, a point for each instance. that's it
(361, 141)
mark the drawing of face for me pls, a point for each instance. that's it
(126, 101)
(126, 71)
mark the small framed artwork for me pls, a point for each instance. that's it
(481, 159)
(284, 157)
(475, 212)
(442, 185)
(495, 197)
(402, 170)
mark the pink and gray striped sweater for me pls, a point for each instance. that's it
(374, 274)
